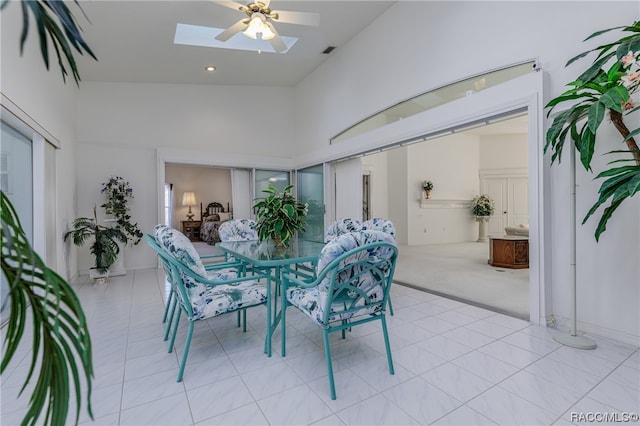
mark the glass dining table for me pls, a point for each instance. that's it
(267, 256)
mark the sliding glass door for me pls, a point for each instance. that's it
(16, 181)
(311, 190)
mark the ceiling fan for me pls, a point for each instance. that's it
(258, 21)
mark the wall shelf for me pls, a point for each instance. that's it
(430, 203)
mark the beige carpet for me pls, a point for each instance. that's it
(459, 271)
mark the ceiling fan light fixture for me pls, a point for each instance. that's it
(257, 26)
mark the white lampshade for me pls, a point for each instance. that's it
(189, 199)
(257, 26)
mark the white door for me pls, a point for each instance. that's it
(511, 198)
(517, 201)
(496, 189)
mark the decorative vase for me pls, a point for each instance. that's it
(427, 193)
(277, 240)
(482, 228)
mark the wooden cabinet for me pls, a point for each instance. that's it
(191, 228)
(509, 252)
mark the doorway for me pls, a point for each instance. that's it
(439, 251)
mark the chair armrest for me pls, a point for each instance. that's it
(205, 281)
(290, 279)
(223, 265)
(213, 256)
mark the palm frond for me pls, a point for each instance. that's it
(61, 342)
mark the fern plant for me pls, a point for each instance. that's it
(61, 346)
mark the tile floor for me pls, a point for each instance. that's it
(455, 365)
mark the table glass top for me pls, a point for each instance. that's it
(266, 253)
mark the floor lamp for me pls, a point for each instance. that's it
(571, 338)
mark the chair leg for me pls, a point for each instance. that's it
(386, 344)
(284, 326)
(175, 331)
(327, 352)
(390, 305)
(187, 344)
(239, 322)
(166, 307)
(174, 302)
(244, 320)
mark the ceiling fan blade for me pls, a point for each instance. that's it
(299, 18)
(231, 5)
(266, 3)
(276, 42)
(241, 25)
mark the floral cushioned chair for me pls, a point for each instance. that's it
(230, 268)
(238, 230)
(386, 226)
(201, 293)
(341, 226)
(354, 275)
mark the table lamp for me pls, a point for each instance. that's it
(189, 199)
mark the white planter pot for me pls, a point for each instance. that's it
(482, 228)
(97, 277)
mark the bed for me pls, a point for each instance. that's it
(212, 216)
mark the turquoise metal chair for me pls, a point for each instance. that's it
(384, 225)
(354, 275)
(221, 264)
(202, 294)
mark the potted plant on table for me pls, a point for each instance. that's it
(482, 207)
(280, 215)
(104, 247)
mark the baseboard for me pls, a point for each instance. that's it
(599, 333)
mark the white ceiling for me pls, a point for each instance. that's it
(133, 41)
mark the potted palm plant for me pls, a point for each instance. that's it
(280, 215)
(104, 246)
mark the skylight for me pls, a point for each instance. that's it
(193, 35)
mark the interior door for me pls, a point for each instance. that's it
(496, 189)
(518, 201)
(511, 198)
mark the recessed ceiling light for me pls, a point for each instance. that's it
(210, 68)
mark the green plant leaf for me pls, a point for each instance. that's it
(614, 97)
(587, 147)
(60, 341)
(596, 115)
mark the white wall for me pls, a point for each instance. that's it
(134, 122)
(44, 99)
(339, 93)
(451, 163)
(96, 163)
(504, 151)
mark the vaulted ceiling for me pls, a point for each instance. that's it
(133, 41)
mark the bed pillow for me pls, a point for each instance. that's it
(223, 217)
(212, 218)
